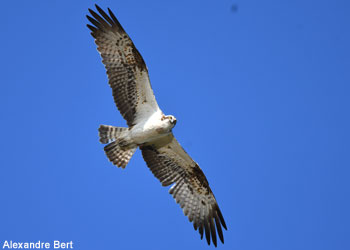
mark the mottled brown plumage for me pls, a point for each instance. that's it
(169, 162)
(125, 66)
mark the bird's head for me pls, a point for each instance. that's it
(170, 118)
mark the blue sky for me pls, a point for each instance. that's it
(261, 96)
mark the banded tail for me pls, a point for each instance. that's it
(116, 152)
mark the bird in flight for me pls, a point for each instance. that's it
(149, 129)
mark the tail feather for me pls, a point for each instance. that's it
(117, 150)
(109, 134)
(119, 156)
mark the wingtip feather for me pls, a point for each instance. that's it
(207, 232)
(213, 231)
(221, 217)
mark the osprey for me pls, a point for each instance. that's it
(149, 129)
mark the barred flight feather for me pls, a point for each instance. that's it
(190, 187)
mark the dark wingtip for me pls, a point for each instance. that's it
(208, 239)
(200, 229)
(221, 217)
(93, 21)
(113, 17)
(92, 28)
(92, 12)
(212, 230)
(99, 9)
(207, 232)
(89, 18)
(218, 227)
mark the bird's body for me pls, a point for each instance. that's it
(149, 129)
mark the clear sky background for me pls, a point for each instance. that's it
(261, 92)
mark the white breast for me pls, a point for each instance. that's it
(148, 129)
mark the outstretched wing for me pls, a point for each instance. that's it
(126, 69)
(170, 163)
